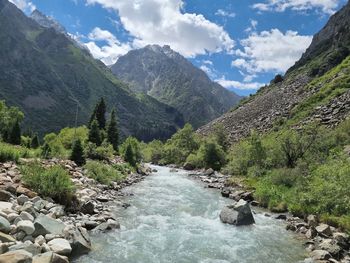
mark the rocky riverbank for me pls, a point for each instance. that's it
(323, 242)
(38, 230)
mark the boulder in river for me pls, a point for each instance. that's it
(238, 214)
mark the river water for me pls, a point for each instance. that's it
(174, 219)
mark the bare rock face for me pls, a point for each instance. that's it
(239, 214)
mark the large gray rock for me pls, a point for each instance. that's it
(26, 226)
(18, 256)
(320, 255)
(6, 238)
(88, 208)
(238, 214)
(331, 246)
(28, 246)
(60, 246)
(79, 240)
(50, 257)
(4, 225)
(46, 225)
(324, 229)
(5, 196)
(5, 206)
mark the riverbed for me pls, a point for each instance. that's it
(173, 218)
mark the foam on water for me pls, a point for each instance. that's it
(173, 218)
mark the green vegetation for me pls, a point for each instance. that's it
(51, 182)
(131, 152)
(112, 131)
(301, 171)
(99, 114)
(103, 173)
(94, 133)
(187, 147)
(77, 154)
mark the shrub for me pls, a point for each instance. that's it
(212, 155)
(103, 152)
(195, 160)
(77, 154)
(130, 150)
(103, 173)
(53, 182)
(152, 152)
(9, 153)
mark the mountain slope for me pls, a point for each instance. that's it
(170, 78)
(316, 88)
(44, 73)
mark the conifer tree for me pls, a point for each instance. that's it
(112, 131)
(129, 155)
(15, 134)
(94, 133)
(35, 142)
(77, 154)
(99, 114)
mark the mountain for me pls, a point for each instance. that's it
(170, 78)
(46, 21)
(45, 74)
(316, 88)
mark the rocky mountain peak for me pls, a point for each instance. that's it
(47, 22)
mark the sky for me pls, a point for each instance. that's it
(241, 44)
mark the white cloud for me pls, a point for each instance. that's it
(163, 22)
(239, 85)
(24, 5)
(327, 6)
(208, 62)
(111, 51)
(252, 27)
(224, 13)
(270, 51)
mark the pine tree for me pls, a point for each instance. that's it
(35, 142)
(78, 153)
(94, 133)
(112, 131)
(15, 134)
(99, 113)
(129, 155)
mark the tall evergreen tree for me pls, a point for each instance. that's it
(112, 131)
(99, 114)
(78, 153)
(15, 134)
(94, 133)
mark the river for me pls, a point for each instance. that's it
(174, 219)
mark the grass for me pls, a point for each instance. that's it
(13, 153)
(53, 182)
(104, 173)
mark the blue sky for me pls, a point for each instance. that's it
(242, 44)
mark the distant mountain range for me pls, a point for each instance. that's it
(168, 77)
(45, 74)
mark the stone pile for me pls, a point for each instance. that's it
(38, 230)
(325, 243)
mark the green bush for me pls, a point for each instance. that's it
(9, 153)
(131, 151)
(103, 173)
(103, 152)
(152, 152)
(77, 154)
(195, 160)
(212, 155)
(53, 182)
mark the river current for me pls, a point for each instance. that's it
(174, 219)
